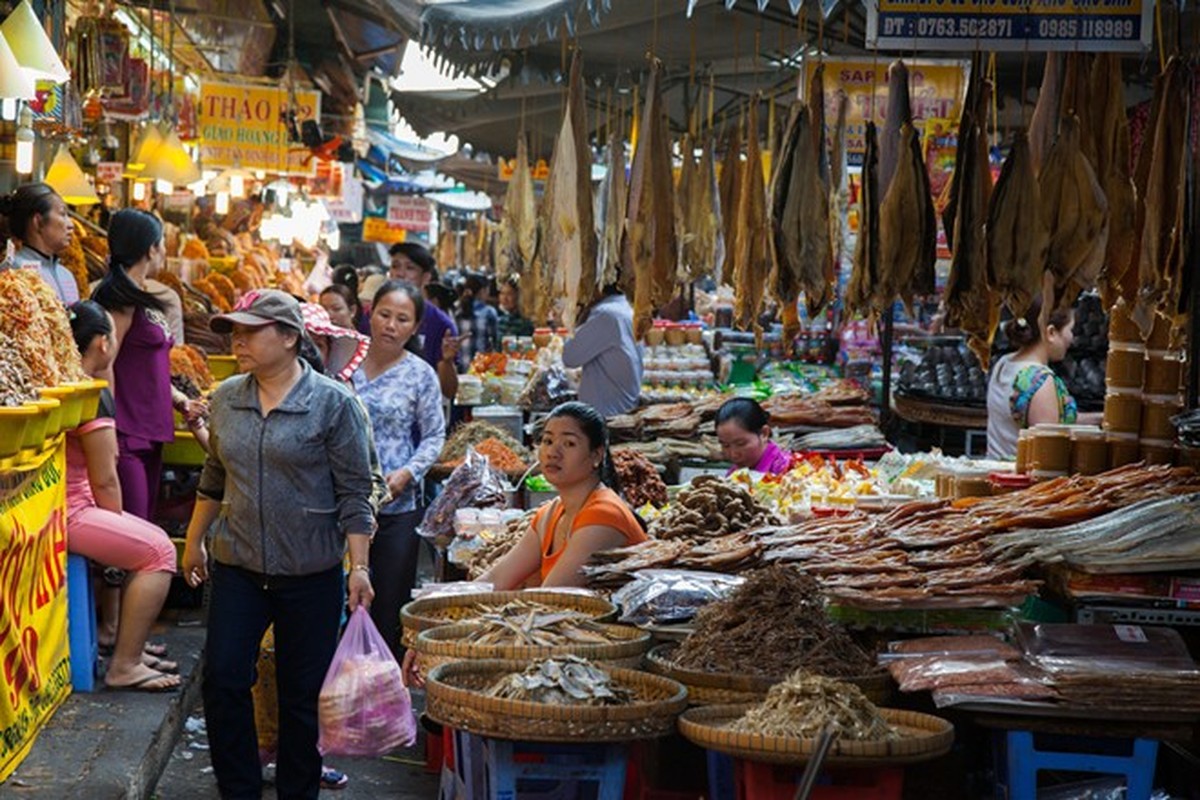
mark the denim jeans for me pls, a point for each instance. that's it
(395, 550)
(305, 611)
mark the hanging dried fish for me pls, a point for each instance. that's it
(649, 250)
(1043, 126)
(519, 226)
(570, 244)
(1076, 101)
(865, 275)
(610, 222)
(1111, 127)
(974, 111)
(729, 191)
(700, 227)
(839, 185)
(752, 261)
(899, 113)
(1017, 240)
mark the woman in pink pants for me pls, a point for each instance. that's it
(99, 529)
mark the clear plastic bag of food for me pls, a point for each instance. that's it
(473, 484)
(364, 708)
(547, 387)
(939, 672)
(974, 645)
(665, 596)
(1118, 649)
(452, 589)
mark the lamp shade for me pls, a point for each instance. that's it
(30, 44)
(66, 178)
(170, 162)
(14, 81)
(149, 142)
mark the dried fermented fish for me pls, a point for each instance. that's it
(839, 184)
(728, 191)
(974, 114)
(700, 218)
(865, 275)
(769, 626)
(1017, 239)
(907, 232)
(649, 249)
(1075, 212)
(752, 259)
(1111, 132)
(570, 245)
(1043, 126)
(611, 220)
(899, 114)
(805, 705)
(562, 681)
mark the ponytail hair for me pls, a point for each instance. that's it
(131, 235)
(1026, 331)
(596, 431)
(88, 320)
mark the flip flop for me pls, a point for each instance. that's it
(160, 665)
(144, 685)
(156, 649)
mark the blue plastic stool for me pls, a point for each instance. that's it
(722, 784)
(507, 764)
(81, 624)
(1024, 762)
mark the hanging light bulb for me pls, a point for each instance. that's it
(139, 190)
(8, 109)
(25, 139)
(66, 178)
(163, 187)
(222, 203)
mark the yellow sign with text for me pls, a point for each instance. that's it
(936, 90)
(34, 654)
(244, 124)
(378, 229)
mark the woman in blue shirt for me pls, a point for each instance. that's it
(404, 402)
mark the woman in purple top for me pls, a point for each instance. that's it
(745, 438)
(141, 373)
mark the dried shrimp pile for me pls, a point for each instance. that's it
(470, 434)
(496, 547)
(640, 482)
(568, 681)
(709, 508)
(531, 624)
(769, 626)
(499, 455)
(805, 704)
(32, 316)
(189, 362)
(16, 382)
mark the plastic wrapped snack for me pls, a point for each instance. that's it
(473, 484)
(364, 708)
(664, 596)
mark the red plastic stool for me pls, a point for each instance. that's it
(758, 781)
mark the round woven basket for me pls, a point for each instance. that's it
(715, 688)
(431, 612)
(444, 644)
(922, 738)
(456, 696)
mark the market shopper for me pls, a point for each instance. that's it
(344, 308)
(744, 431)
(511, 322)
(141, 372)
(98, 529)
(400, 392)
(1022, 389)
(38, 217)
(478, 321)
(611, 360)
(288, 484)
(439, 340)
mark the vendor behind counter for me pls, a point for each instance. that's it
(604, 348)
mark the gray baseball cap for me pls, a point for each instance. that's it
(261, 307)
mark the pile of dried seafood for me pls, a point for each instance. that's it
(496, 546)
(805, 704)
(772, 624)
(709, 508)
(523, 624)
(568, 681)
(469, 434)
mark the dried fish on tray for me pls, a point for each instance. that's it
(562, 681)
(522, 624)
(805, 704)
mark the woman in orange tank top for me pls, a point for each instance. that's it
(588, 515)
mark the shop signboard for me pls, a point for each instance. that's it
(994, 25)
(34, 653)
(347, 207)
(110, 171)
(242, 124)
(936, 89)
(378, 229)
(409, 213)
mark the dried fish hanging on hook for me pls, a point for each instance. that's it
(752, 260)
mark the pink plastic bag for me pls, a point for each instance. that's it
(364, 707)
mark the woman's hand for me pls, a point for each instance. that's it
(195, 564)
(398, 481)
(359, 590)
(412, 669)
(194, 410)
(450, 345)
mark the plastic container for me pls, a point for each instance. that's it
(675, 335)
(694, 332)
(14, 420)
(1125, 365)
(1024, 446)
(1003, 482)
(1123, 449)
(1164, 369)
(470, 390)
(1121, 327)
(1123, 410)
(1157, 410)
(39, 425)
(1051, 449)
(655, 336)
(972, 484)
(1089, 451)
(71, 399)
(54, 415)
(542, 337)
(222, 366)
(1157, 451)
(90, 391)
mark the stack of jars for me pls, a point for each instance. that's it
(1143, 391)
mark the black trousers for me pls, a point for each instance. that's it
(306, 611)
(395, 551)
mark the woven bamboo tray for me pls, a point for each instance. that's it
(432, 612)
(444, 644)
(714, 688)
(455, 697)
(923, 738)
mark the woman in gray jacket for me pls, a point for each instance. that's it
(288, 484)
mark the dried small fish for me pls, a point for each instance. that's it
(806, 704)
(516, 624)
(562, 681)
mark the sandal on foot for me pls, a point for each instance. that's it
(152, 684)
(332, 779)
(156, 649)
(160, 664)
